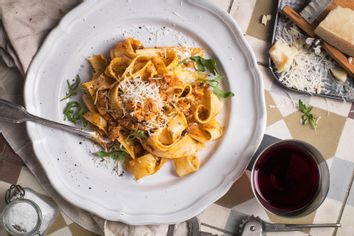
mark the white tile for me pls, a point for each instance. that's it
(345, 147)
(267, 77)
(207, 229)
(208, 216)
(26, 179)
(347, 222)
(279, 130)
(286, 100)
(329, 162)
(260, 49)
(252, 207)
(62, 232)
(241, 11)
(328, 211)
(331, 105)
(223, 4)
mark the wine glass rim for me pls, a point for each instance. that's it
(308, 208)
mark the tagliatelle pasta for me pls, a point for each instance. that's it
(155, 103)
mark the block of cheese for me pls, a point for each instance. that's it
(282, 55)
(338, 29)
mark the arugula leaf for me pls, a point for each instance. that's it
(200, 65)
(72, 88)
(222, 94)
(136, 134)
(116, 154)
(210, 65)
(74, 112)
(307, 117)
(203, 64)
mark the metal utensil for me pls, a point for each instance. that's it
(248, 225)
(13, 113)
(314, 9)
(254, 226)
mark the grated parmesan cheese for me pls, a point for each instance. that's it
(308, 68)
(137, 91)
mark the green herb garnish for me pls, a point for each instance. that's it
(136, 134)
(210, 65)
(203, 63)
(307, 117)
(118, 152)
(72, 88)
(116, 155)
(74, 112)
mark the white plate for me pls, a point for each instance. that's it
(94, 27)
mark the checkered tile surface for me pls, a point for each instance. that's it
(334, 139)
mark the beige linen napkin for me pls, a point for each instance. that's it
(23, 27)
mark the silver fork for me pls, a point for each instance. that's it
(13, 113)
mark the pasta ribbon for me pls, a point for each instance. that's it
(186, 146)
(144, 165)
(126, 48)
(96, 120)
(156, 103)
(98, 64)
(186, 165)
(209, 109)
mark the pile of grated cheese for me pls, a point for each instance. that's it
(307, 69)
(137, 91)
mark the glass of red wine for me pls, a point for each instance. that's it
(290, 178)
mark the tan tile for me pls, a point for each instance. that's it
(325, 138)
(239, 192)
(273, 113)
(78, 230)
(57, 224)
(308, 219)
(63, 232)
(255, 28)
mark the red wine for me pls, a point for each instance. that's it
(286, 178)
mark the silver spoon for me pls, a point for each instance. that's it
(13, 113)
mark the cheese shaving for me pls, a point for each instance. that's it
(308, 68)
(138, 92)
